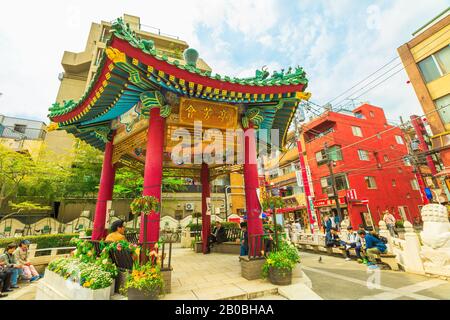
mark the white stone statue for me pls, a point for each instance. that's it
(435, 237)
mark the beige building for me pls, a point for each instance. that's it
(282, 174)
(426, 59)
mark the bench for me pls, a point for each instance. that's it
(389, 259)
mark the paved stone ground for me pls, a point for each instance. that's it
(216, 276)
(337, 279)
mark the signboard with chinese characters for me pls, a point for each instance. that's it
(211, 114)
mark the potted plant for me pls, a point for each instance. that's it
(145, 206)
(144, 282)
(279, 264)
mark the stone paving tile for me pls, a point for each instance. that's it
(255, 285)
(182, 295)
(218, 292)
(270, 297)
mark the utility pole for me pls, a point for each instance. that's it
(330, 164)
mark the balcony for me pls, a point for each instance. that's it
(27, 134)
(319, 135)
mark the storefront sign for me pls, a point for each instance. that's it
(210, 114)
(328, 202)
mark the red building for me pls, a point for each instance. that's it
(371, 171)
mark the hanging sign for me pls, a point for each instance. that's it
(210, 114)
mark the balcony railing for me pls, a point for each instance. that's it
(27, 134)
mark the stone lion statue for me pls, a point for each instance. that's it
(435, 237)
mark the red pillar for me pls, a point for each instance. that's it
(206, 219)
(153, 173)
(105, 192)
(305, 184)
(253, 207)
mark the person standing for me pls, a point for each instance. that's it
(337, 222)
(389, 219)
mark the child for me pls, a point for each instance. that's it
(21, 254)
(244, 239)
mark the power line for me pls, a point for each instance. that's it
(402, 68)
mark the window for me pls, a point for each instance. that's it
(399, 140)
(386, 158)
(359, 115)
(429, 69)
(370, 182)
(436, 65)
(20, 128)
(357, 131)
(400, 170)
(341, 183)
(394, 183)
(407, 161)
(372, 115)
(443, 107)
(363, 155)
(415, 184)
(334, 153)
(320, 157)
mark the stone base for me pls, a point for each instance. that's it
(198, 247)
(227, 247)
(167, 277)
(251, 269)
(120, 281)
(55, 287)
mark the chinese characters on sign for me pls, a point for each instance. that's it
(211, 114)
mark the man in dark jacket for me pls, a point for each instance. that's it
(219, 234)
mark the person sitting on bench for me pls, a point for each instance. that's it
(5, 280)
(12, 265)
(353, 241)
(332, 238)
(117, 232)
(218, 235)
(374, 247)
(28, 270)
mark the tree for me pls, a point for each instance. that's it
(14, 168)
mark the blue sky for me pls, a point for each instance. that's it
(338, 42)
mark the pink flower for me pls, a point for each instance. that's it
(119, 247)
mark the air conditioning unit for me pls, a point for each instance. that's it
(189, 206)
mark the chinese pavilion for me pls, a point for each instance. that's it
(138, 98)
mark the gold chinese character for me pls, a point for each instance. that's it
(207, 113)
(223, 116)
(190, 110)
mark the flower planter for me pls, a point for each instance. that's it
(136, 294)
(281, 277)
(55, 287)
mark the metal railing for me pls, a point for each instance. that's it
(27, 134)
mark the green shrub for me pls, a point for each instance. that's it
(226, 225)
(286, 257)
(42, 241)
